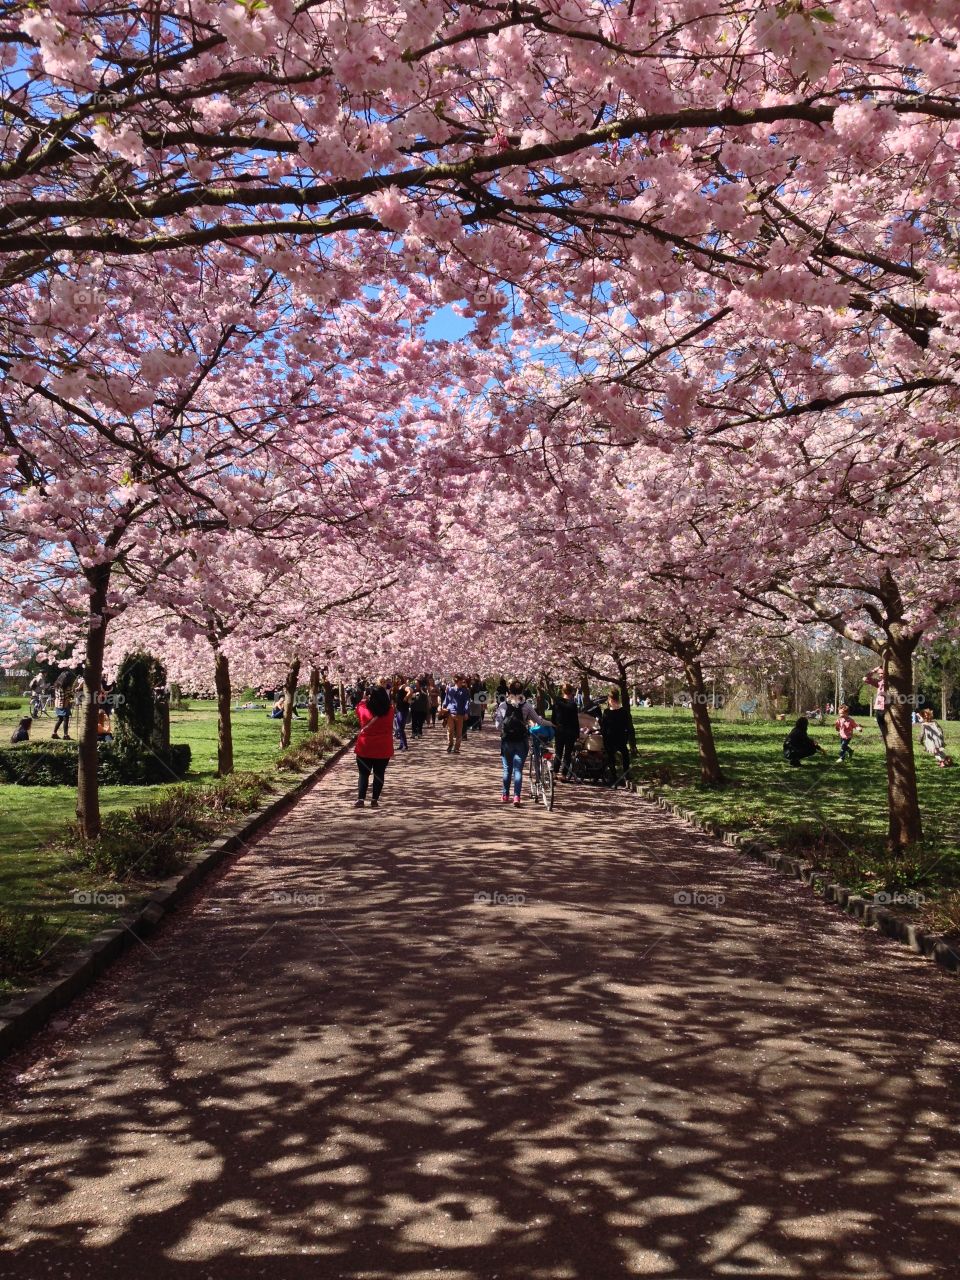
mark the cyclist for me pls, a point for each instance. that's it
(513, 716)
(39, 694)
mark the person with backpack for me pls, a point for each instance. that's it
(374, 746)
(566, 729)
(513, 716)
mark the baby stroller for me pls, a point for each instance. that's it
(589, 756)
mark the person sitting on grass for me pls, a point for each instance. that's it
(798, 744)
(931, 738)
(22, 732)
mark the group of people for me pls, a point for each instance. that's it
(798, 745)
(385, 709)
(68, 693)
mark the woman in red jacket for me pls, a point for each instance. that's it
(374, 743)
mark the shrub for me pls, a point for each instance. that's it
(236, 793)
(24, 936)
(123, 849)
(149, 841)
(124, 764)
(11, 704)
(54, 764)
(310, 752)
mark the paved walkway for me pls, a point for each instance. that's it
(349, 1057)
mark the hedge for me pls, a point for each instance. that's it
(48, 764)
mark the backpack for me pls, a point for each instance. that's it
(514, 727)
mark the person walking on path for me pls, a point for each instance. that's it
(619, 736)
(419, 708)
(62, 705)
(566, 729)
(433, 698)
(402, 714)
(846, 727)
(932, 739)
(798, 744)
(457, 703)
(374, 748)
(513, 716)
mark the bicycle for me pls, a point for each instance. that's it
(540, 772)
(40, 704)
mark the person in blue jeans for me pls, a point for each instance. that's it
(513, 716)
(457, 703)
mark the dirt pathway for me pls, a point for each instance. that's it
(448, 1039)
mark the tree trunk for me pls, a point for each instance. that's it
(289, 698)
(221, 677)
(905, 824)
(710, 771)
(313, 711)
(343, 698)
(585, 690)
(328, 707)
(946, 689)
(88, 794)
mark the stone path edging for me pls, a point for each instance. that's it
(27, 1013)
(933, 946)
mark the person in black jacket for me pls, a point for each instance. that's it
(419, 708)
(619, 736)
(798, 744)
(566, 728)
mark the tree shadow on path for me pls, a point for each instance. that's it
(451, 1039)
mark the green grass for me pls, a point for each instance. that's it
(832, 815)
(35, 876)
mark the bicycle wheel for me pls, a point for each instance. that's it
(533, 774)
(546, 779)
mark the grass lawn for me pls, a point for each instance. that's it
(36, 877)
(832, 815)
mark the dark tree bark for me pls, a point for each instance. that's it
(906, 825)
(88, 792)
(328, 708)
(710, 771)
(313, 711)
(221, 675)
(289, 699)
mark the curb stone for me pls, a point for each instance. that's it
(26, 1014)
(930, 946)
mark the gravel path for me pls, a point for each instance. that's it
(449, 1039)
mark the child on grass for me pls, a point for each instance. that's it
(846, 727)
(931, 738)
